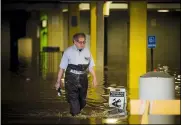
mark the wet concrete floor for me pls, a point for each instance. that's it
(29, 99)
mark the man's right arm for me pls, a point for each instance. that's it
(63, 65)
(60, 74)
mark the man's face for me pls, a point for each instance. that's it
(80, 43)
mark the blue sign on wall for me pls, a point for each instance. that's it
(151, 42)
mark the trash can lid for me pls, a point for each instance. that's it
(156, 74)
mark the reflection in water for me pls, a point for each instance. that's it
(30, 101)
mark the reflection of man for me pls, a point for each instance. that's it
(76, 60)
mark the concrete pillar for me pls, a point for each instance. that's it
(137, 49)
(93, 29)
(100, 36)
(43, 60)
(32, 32)
(137, 42)
(5, 45)
(55, 38)
(74, 21)
(65, 27)
(97, 35)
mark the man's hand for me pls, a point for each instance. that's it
(94, 82)
(58, 84)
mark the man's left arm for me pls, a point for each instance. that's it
(91, 70)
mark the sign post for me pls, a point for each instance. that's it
(151, 45)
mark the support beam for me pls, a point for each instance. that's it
(137, 49)
(74, 21)
(100, 36)
(33, 32)
(97, 34)
(93, 29)
(137, 44)
(55, 37)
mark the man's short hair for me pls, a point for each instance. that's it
(78, 35)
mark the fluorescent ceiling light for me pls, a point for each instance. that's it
(84, 6)
(65, 10)
(44, 23)
(162, 10)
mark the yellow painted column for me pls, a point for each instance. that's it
(137, 49)
(93, 49)
(93, 29)
(74, 21)
(137, 43)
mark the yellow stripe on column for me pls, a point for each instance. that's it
(74, 21)
(93, 30)
(137, 50)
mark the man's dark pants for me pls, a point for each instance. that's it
(76, 86)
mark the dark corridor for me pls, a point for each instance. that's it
(17, 30)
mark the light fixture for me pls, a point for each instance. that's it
(65, 10)
(44, 23)
(84, 6)
(38, 32)
(163, 11)
(106, 8)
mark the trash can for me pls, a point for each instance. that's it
(157, 86)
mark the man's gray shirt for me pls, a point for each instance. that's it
(73, 56)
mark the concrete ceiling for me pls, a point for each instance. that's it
(29, 4)
(81, 1)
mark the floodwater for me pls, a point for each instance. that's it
(29, 98)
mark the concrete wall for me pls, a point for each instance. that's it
(117, 47)
(5, 45)
(55, 28)
(166, 30)
(84, 22)
(65, 29)
(117, 39)
(165, 26)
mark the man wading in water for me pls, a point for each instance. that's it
(76, 60)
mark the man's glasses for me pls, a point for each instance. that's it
(81, 42)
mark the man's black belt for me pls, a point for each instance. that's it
(77, 69)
